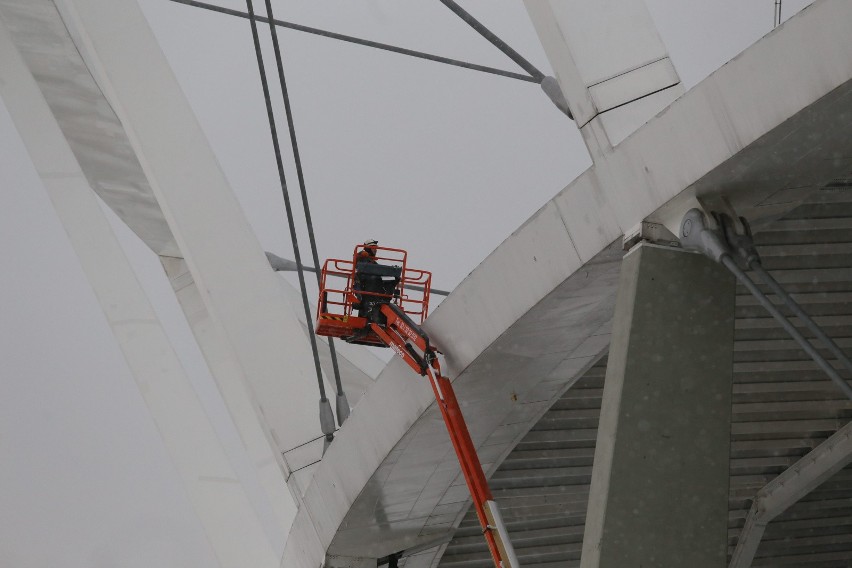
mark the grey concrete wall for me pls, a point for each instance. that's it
(659, 493)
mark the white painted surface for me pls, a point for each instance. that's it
(113, 168)
(94, 132)
(605, 56)
(235, 283)
(86, 479)
(232, 525)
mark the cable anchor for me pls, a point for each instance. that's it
(729, 242)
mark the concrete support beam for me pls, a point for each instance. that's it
(659, 491)
(610, 63)
(233, 526)
(788, 488)
(223, 364)
(258, 346)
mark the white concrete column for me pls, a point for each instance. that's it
(232, 525)
(610, 63)
(222, 361)
(237, 287)
(659, 491)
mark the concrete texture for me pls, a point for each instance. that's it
(660, 478)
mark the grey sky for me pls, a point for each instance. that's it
(442, 161)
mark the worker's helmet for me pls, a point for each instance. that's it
(370, 246)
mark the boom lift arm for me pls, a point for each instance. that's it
(384, 319)
(408, 340)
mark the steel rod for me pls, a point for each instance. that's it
(496, 41)
(779, 291)
(785, 323)
(289, 210)
(343, 404)
(363, 42)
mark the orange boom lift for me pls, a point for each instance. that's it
(383, 303)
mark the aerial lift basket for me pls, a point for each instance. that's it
(342, 305)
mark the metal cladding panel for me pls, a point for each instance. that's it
(796, 77)
(562, 60)
(623, 120)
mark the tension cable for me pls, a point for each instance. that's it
(496, 41)
(341, 404)
(326, 415)
(729, 243)
(359, 41)
(548, 84)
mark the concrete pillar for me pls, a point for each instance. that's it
(234, 527)
(264, 358)
(659, 492)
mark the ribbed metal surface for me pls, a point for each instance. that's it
(543, 485)
(783, 406)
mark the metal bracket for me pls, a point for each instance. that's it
(737, 233)
(730, 241)
(655, 233)
(697, 235)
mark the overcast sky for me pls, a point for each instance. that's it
(445, 162)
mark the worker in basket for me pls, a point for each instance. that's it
(374, 283)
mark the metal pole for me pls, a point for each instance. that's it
(729, 263)
(279, 264)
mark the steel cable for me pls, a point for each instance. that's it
(549, 85)
(276, 147)
(342, 403)
(496, 41)
(779, 291)
(785, 323)
(363, 42)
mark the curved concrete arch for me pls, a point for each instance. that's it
(535, 313)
